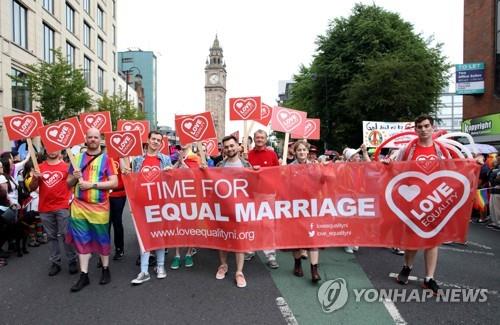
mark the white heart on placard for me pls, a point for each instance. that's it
(283, 115)
(16, 123)
(89, 120)
(188, 125)
(127, 127)
(239, 104)
(123, 143)
(409, 192)
(53, 133)
(116, 140)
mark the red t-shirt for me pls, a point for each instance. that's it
(54, 192)
(150, 163)
(425, 153)
(119, 191)
(263, 158)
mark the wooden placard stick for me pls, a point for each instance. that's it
(32, 154)
(285, 149)
(71, 157)
(199, 145)
(245, 137)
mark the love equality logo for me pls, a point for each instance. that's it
(150, 173)
(289, 120)
(95, 121)
(129, 126)
(61, 134)
(51, 178)
(244, 107)
(123, 143)
(426, 203)
(24, 125)
(195, 127)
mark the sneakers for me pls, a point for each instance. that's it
(118, 254)
(431, 285)
(105, 276)
(176, 263)
(271, 261)
(188, 261)
(239, 278)
(193, 251)
(249, 256)
(141, 278)
(221, 272)
(403, 275)
(348, 250)
(73, 268)
(397, 251)
(161, 273)
(493, 226)
(54, 269)
(83, 281)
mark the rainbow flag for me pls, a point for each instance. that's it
(481, 199)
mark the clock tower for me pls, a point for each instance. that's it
(215, 88)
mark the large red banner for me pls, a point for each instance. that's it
(362, 204)
(23, 126)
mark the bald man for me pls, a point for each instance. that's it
(92, 178)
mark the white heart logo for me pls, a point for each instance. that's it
(53, 133)
(17, 123)
(409, 218)
(188, 125)
(245, 107)
(127, 127)
(123, 143)
(116, 140)
(89, 120)
(409, 192)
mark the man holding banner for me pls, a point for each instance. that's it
(263, 157)
(152, 162)
(92, 177)
(425, 150)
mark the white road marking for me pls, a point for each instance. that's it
(468, 251)
(445, 284)
(394, 312)
(471, 243)
(286, 311)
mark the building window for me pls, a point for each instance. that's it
(114, 62)
(100, 17)
(48, 5)
(114, 9)
(86, 6)
(100, 48)
(100, 80)
(114, 86)
(497, 65)
(87, 66)
(70, 18)
(21, 96)
(70, 54)
(114, 35)
(19, 26)
(86, 34)
(48, 44)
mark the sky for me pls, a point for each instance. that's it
(264, 41)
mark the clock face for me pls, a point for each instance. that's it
(214, 79)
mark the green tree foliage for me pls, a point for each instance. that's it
(58, 88)
(119, 108)
(369, 66)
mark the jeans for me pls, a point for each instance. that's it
(116, 205)
(160, 259)
(56, 225)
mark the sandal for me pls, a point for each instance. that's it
(3, 262)
(239, 278)
(221, 272)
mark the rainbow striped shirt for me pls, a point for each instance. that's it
(98, 171)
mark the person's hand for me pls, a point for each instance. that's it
(256, 167)
(479, 159)
(203, 165)
(386, 161)
(37, 173)
(126, 170)
(168, 168)
(363, 147)
(84, 185)
(77, 174)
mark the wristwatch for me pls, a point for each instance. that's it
(94, 186)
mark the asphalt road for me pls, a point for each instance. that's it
(193, 296)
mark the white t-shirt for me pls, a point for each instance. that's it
(13, 195)
(234, 164)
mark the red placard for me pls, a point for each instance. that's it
(121, 144)
(212, 147)
(287, 120)
(62, 135)
(197, 127)
(164, 149)
(310, 131)
(394, 205)
(141, 125)
(98, 120)
(265, 114)
(23, 126)
(245, 108)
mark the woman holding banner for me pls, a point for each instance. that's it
(301, 151)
